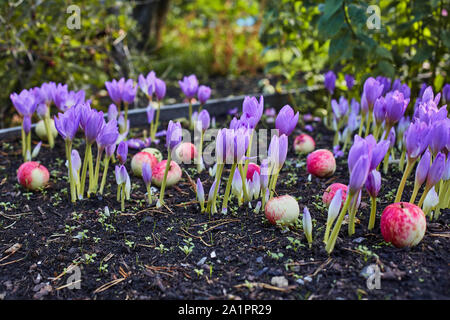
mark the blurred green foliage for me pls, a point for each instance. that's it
(37, 46)
(412, 42)
(211, 37)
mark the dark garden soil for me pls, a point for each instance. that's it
(136, 254)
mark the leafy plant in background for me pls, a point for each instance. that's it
(307, 36)
(36, 45)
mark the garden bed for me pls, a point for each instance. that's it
(136, 254)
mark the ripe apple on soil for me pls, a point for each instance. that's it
(33, 175)
(331, 190)
(138, 161)
(283, 210)
(321, 163)
(304, 143)
(173, 176)
(403, 224)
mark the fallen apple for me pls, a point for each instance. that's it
(283, 210)
(403, 224)
(321, 163)
(173, 175)
(33, 175)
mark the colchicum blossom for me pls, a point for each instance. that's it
(359, 164)
(108, 135)
(123, 185)
(200, 194)
(276, 156)
(147, 84)
(372, 91)
(67, 126)
(25, 104)
(122, 152)
(330, 81)
(202, 124)
(147, 177)
(237, 142)
(252, 111)
(333, 212)
(173, 138)
(373, 186)
(160, 92)
(189, 86)
(91, 122)
(286, 121)
(435, 174)
(350, 81)
(307, 225)
(416, 140)
(421, 173)
(396, 105)
(203, 94)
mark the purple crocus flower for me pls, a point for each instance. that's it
(150, 113)
(286, 120)
(24, 102)
(203, 94)
(221, 146)
(47, 91)
(189, 86)
(115, 89)
(200, 192)
(122, 152)
(372, 90)
(354, 106)
(129, 91)
(278, 150)
(446, 92)
(379, 110)
(147, 173)
(379, 150)
(359, 173)
(337, 152)
(109, 150)
(395, 107)
(147, 84)
(350, 81)
(416, 139)
(93, 125)
(65, 100)
(237, 144)
(373, 183)
(360, 147)
(439, 132)
(423, 167)
(59, 95)
(330, 81)
(160, 89)
(41, 110)
(203, 120)
(67, 123)
(26, 125)
(252, 111)
(339, 109)
(108, 135)
(264, 174)
(135, 143)
(121, 174)
(113, 113)
(386, 82)
(436, 171)
(174, 135)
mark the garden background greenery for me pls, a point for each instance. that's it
(219, 38)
